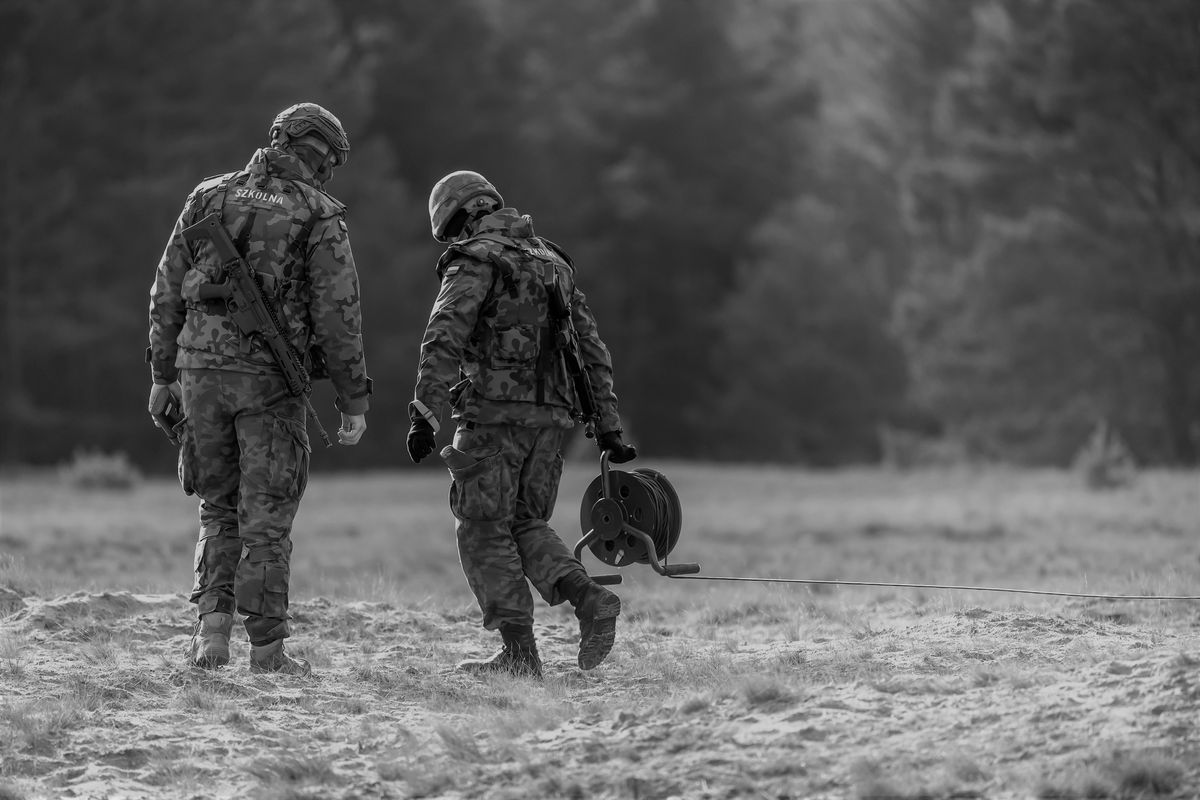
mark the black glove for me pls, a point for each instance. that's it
(420, 439)
(618, 451)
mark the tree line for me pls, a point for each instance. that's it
(799, 223)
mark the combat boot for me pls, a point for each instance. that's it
(210, 640)
(597, 616)
(518, 656)
(597, 609)
(273, 658)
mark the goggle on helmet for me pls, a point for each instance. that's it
(309, 118)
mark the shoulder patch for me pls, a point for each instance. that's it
(558, 250)
(264, 198)
(342, 224)
(451, 271)
(448, 261)
(545, 254)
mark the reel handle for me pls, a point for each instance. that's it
(608, 518)
(604, 484)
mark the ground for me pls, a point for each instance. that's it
(715, 689)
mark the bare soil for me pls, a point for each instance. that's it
(99, 703)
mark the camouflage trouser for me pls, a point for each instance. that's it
(248, 463)
(502, 503)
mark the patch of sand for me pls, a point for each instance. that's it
(96, 701)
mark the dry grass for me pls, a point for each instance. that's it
(715, 689)
(1122, 775)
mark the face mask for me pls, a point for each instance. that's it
(322, 164)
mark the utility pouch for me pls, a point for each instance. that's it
(479, 487)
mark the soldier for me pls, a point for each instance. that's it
(244, 445)
(491, 321)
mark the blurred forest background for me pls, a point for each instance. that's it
(804, 225)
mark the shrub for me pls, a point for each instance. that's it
(95, 470)
(1105, 461)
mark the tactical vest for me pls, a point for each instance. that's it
(270, 219)
(512, 356)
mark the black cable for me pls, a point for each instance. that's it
(665, 524)
(663, 520)
(940, 586)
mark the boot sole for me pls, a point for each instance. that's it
(599, 642)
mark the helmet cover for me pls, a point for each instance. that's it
(454, 193)
(304, 119)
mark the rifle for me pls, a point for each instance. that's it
(252, 312)
(566, 342)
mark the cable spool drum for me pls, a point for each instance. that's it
(643, 499)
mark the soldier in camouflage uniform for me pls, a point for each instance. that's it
(514, 405)
(245, 448)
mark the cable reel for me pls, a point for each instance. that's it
(631, 518)
(635, 518)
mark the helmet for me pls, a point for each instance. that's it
(310, 118)
(455, 193)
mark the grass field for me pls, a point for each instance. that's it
(715, 689)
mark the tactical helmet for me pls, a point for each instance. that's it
(310, 118)
(455, 193)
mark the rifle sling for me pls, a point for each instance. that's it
(242, 244)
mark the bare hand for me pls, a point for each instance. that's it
(353, 426)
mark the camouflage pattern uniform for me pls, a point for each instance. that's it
(513, 405)
(245, 449)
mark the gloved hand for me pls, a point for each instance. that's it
(618, 451)
(420, 439)
(160, 393)
(166, 408)
(353, 426)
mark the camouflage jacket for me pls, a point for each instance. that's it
(294, 236)
(490, 327)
